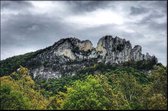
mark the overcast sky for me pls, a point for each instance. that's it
(31, 25)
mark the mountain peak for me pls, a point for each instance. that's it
(68, 55)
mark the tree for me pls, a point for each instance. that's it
(12, 99)
(156, 91)
(92, 94)
(21, 93)
(128, 85)
(56, 102)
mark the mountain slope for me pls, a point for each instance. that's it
(72, 74)
(69, 55)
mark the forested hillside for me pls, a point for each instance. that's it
(109, 88)
(73, 75)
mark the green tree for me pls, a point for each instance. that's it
(129, 86)
(156, 91)
(13, 100)
(21, 94)
(57, 101)
(92, 94)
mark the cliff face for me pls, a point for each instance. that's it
(114, 50)
(69, 55)
(117, 50)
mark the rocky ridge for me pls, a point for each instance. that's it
(69, 55)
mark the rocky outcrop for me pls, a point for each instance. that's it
(71, 54)
(85, 45)
(114, 50)
(117, 50)
(72, 48)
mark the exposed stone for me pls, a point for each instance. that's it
(69, 55)
(114, 50)
(85, 45)
(136, 53)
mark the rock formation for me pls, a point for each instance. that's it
(71, 54)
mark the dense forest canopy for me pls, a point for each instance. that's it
(111, 88)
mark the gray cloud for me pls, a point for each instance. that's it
(136, 11)
(31, 30)
(15, 5)
(85, 6)
(26, 26)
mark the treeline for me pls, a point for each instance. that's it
(11, 64)
(118, 88)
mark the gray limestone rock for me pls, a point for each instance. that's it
(69, 55)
